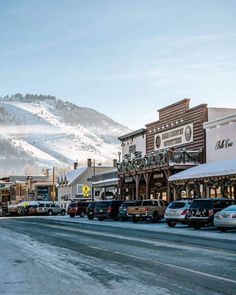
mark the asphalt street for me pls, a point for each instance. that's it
(46, 256)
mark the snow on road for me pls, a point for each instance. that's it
(156, 227)
(31, 267)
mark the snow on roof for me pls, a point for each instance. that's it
(218, 168)
(106, 182)
(74, 174)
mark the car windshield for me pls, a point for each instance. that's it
(230, 208)
(177, 205)
(201, 204)
(91, 205)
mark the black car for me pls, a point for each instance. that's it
(202, 211)
(107, 209)
(90, 210)
(123, 210)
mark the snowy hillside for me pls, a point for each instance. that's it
(45, 131)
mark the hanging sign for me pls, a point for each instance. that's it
(174, 137)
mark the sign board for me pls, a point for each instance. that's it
(174, 137)
(86, 190)
(221, 142)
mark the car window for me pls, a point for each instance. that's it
(176, 205)
(47, 205)
(201, 204)
(41, 205)
(161, 203)
(103, 204)
(53, 205)
(147, 203)
(218, 204)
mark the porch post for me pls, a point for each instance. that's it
(147, 177)
(137, 181)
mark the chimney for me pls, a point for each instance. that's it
(115, 163)
(89, 162)
(75, 165)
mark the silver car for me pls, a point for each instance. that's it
(226, 218)
(176, 212)
(50, 208)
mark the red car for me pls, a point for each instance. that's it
(77, 208)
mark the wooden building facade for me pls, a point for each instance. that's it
(174, 143)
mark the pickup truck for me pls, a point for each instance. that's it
(152, 210)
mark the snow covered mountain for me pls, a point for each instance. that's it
(41, 131)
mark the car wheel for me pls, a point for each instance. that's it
(171, 224)
(196, 227)
(82, 215)
(223, 229)
(72, 215)
(134, 220)
(50, 212)
(155, 217)
(63, 212)
(100, 218)
(90, 217)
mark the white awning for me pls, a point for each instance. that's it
(218, 168)
(107, 182)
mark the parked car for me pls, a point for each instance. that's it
(50, 208)
(123, 210)
(107, 209)
(77, 208)
(202, 211)
(90, 210)
(226, 219)
(176, 212)
(152, 210)
(29, 210)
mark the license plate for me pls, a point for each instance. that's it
(137, 215)
(100, 210)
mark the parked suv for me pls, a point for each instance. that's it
(107, 209)
(176, 212)
(50, 208)
(77, 208)
(90, 210)
(202, 211)
(123, 210)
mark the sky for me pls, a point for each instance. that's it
(125, 58)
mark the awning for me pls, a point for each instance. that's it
(107, 182)
(212, 169)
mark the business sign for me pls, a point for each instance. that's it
(174, 137)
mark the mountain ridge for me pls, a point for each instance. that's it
(49, 131)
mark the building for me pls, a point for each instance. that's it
(175, 142)
(105, 185)
(217, 177)
(77, 184)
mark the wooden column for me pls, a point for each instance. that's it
(120, 184)
(137, 181)
(147, 177)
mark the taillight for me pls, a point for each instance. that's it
(233, 215)
(147, 209)
(211, 212)
(184, 212)
(109, 209)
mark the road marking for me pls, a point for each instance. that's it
(140, 258)
(168, 264)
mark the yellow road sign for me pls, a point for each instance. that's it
(86, 190)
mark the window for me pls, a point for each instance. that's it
(177, 205)
(47, 205)
(80, 189)
(147, 203)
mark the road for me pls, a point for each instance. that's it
(47, 256)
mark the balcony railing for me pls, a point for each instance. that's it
(164, 158)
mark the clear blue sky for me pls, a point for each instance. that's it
(125, 58)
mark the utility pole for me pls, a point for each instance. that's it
(53, 184)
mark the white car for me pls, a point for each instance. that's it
(50, 208)
(176, 212)
(226, 219)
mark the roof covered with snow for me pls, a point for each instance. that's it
(74, 174)
(218, 168)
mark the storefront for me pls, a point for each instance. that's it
(216, 178)
(173, 143)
